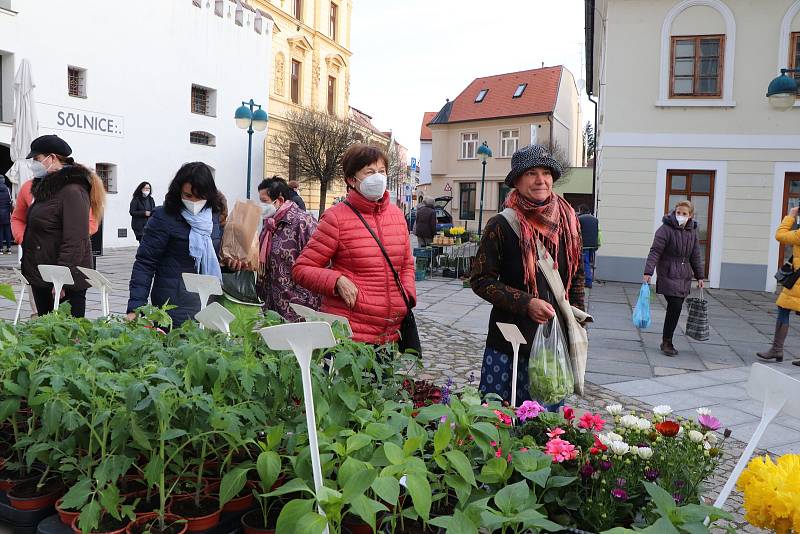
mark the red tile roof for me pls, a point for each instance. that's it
(539, 96)
(425, 132)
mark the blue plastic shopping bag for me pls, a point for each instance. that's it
(641, 313)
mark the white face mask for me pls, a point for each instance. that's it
(682, 219)
(145, 192)
(38, 169)
(194, 207)
(268, 209)
(373, 187)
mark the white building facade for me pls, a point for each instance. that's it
(683, 114)
(139, 88)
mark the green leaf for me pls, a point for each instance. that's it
(488, 430)
(442, 437)
(367, 509)
(291, 514)
(412, 444)
(311, 523)
(358, 485)
(380, 431)
(349, 396)
(153, 470)
(434, 411)
(232, 483)
(458, 523)
(77, 495)
(663, 500)
(394, 453)
(7, 292)
(173, 433)
(539, 477)
(511, 499)
(494, 471)
(8, 407)
(387, 488)
(463, 490)
(560, 482)
(268, 466)
(110, 500)
(535, 520)
(90, 516)
(695, 528)
(663, 525)
(458, 460)
(329, 497)
(420, 491)
(357, 442)
(140, 438)
(293, 486)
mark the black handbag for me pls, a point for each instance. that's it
(786, 275)
(409, 334)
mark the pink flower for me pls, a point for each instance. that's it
(505, 419)
(592, 422)
(529, 410)
(554, 432)
(499, 453)
(508, 458)
(710, 422)
(493, 443)
(561, 450)
(569, 413)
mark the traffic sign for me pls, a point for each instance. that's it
(447, 188)
(413, 163)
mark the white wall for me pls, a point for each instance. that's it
(425, 161)
(142, 58)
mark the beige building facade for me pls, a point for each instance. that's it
(310, 69)
(505, 123)
(683, 114)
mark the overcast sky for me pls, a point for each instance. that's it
(410, 55)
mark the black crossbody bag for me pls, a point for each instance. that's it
(786, 275)
(409, 335)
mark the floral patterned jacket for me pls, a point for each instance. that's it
(275, 285)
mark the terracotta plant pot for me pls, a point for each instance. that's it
(252, 523)
(136, 526)
(25, 496)
(8, 479)
(197, 523)
(240, 504)
(101, 530)
(66, 516)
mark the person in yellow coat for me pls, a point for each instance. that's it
(789, 299)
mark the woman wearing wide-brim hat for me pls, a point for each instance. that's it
(505, 272)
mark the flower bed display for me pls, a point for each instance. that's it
(127, 418)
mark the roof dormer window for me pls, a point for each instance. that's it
(520, 89)
(481, 95)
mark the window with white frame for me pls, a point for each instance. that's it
(108, 174)
(509, 142)
(76, 82)
(469, 145)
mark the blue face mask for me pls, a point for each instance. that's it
(38, 169)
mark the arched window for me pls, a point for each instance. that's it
(202, 138)
(697, 55)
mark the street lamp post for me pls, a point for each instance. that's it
(485, 153)
(782, 91)
(249, 116)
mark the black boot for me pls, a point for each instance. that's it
(668, 348)
(776, 351)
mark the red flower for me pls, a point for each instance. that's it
(505, 419)
(569, 413)
(592, 422)
(668, 428)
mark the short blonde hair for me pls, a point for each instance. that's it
(685, 204)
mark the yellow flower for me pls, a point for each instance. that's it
(772, 493)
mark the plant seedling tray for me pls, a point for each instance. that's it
(23, 521)
(229, 523)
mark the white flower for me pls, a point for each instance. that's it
(706, 445)
(614, 409)
(634, 450)
(620, 448)
(629, 421)
(712, 438)
(643, 424)
(703, 411)
(645, 453)
(696, 436)
(614, 436)
(680, 430)
(662, 410)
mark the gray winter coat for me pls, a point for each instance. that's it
(675, 254)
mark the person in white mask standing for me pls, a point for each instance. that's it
(675, 256)
(142, 206)
(359, 246)
(182, 236)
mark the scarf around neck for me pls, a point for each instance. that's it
(546, 222)
(270, 225)
(201, 247)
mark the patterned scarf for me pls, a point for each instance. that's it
(270, 225)
(545, 223)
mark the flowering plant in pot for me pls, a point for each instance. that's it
(771, 493)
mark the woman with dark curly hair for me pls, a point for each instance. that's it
(182, 236)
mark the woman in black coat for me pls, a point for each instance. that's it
(176, 241)
(142, 206)
(5, 217)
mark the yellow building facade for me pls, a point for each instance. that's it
(310, 69)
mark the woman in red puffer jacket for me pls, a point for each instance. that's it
(345, 265)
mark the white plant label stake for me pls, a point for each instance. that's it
(59, 276)
(202, 284)
(514, 336)
(102, 283)
(779, 392)
(25, 284)
(302, 339)
(313, 315)
(216, 317)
